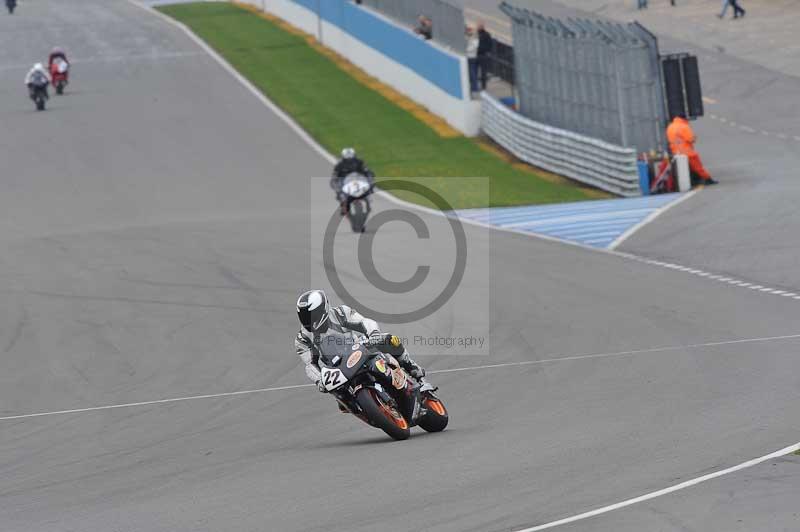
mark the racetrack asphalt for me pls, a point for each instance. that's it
(749, 139)
(155, 233)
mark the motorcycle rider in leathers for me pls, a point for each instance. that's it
(37, 79)
(317, 316)
(349, 164)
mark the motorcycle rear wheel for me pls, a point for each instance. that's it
(358, 216)
(382, 415)
(436, 419)
(40, 105)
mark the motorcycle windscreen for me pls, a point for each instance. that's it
(343, 351)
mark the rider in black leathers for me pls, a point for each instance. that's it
(349, 164)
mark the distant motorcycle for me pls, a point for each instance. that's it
(38, 90)
(357, 189)
(11, 5)
(373, 386)
(59, 72)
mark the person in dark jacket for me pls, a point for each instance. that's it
(349, 164)
(424, 27)
(485, 49)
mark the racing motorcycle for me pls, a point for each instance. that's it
(373, 386)
(59, 73)
(11, 5)
(38, 91)
(357, 188)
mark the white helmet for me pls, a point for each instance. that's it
(348, 153)
(38, 66)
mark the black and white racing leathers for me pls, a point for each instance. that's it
(344, 319)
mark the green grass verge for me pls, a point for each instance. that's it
(339, 111)
(797, 453)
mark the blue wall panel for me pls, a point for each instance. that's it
(398, 44)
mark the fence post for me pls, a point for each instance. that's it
(623, 126)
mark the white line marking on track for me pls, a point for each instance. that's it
(308, 139)
(707, 275)
(157, 56)
(551, 359)
(665, 491)
(156, 402)
(311, 142)
(330, 158)
(658, 212)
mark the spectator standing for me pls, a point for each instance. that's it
(485, 50)
(738, 12)
(424, 27)
(725, 4)
(473, 44)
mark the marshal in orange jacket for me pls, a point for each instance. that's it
(681, 140)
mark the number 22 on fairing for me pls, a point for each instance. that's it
(332, 378)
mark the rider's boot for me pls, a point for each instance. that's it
(416, 371)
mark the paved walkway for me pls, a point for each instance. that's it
(598, 223)
(767, 35)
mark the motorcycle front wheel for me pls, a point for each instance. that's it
(358, 216)
(436, 418)
(384, 416)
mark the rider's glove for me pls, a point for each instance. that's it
(381, 339)
(417, 372)
(321, 387)
(376, 339)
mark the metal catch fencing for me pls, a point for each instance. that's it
(447, 18)
(501, 61)
(585, 159)
(598, 78)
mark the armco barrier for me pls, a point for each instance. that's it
(591, 161)
(423, 71)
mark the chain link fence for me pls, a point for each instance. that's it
(596, 78)
(448, 19)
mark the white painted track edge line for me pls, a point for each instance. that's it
(677, 487)
(317, 147)
(550, 359)
(241, 79)
(329, 157)
(611, 250)
(658, 212)
(155, 402)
